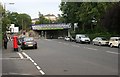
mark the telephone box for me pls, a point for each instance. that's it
(15, 43)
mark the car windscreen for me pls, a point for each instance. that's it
(84, 36)
(103, 38)
(28, 39)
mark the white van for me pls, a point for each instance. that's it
(82, 38)
(114, 41)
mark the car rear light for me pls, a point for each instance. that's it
(24, 42)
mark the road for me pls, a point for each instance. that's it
(59, 57)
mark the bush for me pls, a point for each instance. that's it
(106, 34)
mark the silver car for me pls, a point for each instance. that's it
(100, 41)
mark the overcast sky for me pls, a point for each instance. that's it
(32, 7)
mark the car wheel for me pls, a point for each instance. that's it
(93, 43)
(111, 45)
(35, 47)
(81, 42)
(99, 44)
(22, 47)
(119, 46)
(76, 41)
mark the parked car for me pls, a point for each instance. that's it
(67, 38)
(29, 42)
(60, 37)
(20, 40)
(100, 41)
(114, 42)
(82, 38)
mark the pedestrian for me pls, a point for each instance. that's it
(5, 41)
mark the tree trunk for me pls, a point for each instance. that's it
(83, 27)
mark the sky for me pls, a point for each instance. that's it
(33, 7)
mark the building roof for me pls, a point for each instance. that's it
(51, 26)
(50, 15)
(35, 19)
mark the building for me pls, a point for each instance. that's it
(50, 17)
(52, 30)
(34, 20)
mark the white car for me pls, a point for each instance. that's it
(114, 42)
(100, 41)
(67, 38)
(82, 38)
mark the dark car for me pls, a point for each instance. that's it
(29, 42)
(20, 40)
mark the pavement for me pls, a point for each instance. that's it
(13, 64)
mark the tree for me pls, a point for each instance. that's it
(5, 21)
(84, 13)
(70, 10)
(60, 19)
(42, 20)
(24, 21)
(111, 19)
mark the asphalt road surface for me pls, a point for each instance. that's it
(59, 57)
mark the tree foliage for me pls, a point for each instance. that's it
(88, 15)
(23, 21)
(111, 19)
(42, 20)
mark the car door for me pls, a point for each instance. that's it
(96, 41)
(115, 42)
(99, 41)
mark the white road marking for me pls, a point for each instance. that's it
(48, 39)
(38, 67)
(112, 52)
(21, 56)
(31, 60)
(26, 55)
(42, 72)
(35, 64)
(65, 44)
(75, 46)
(91, 48)
(59, 42)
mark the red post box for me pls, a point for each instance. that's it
(15, 43)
